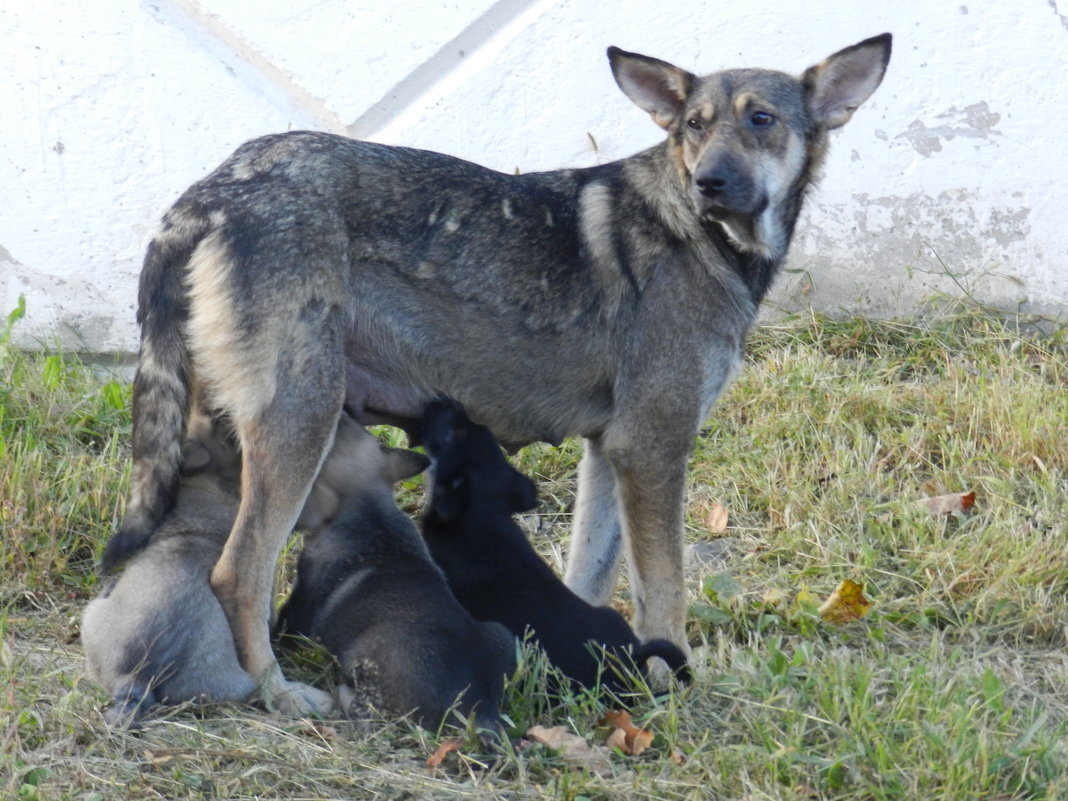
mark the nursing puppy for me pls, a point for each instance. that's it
(368, 591)
(495, 572)
(157, 634)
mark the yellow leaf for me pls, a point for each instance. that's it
(846, 603)
(773, 596)
(805, 601)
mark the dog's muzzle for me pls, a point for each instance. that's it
(723, 187)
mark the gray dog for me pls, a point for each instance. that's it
(310, 271)
(368, 590)
(157, 634)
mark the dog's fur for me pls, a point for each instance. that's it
(367, 590)
(311, 271)
(495, 572)
(157, 634)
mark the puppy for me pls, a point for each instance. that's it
(157, 634)
(495, 572)
(367, 589)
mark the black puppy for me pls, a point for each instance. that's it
(495, 572)
(367, 589)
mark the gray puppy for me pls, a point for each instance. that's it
(157, 634)
(367, 590)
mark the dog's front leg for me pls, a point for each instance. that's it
(596, 549)
(651, 488)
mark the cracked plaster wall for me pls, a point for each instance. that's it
(950, 180)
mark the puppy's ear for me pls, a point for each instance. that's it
(401, 464)
(523, 495)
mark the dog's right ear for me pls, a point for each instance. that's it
(653, 85)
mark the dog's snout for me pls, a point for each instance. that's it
(712, 185)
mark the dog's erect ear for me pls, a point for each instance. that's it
(401, 464)
(523, 495)
(653, 85)
(837, 86)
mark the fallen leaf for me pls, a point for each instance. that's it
(714, 518)
(773, 596)
(625, 736)
(677, 756)
(805, 602)
(572, 748)
(846, 603)
(955, 502)
(447, 746)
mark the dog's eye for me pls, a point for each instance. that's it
(761, 118)
(695, 124)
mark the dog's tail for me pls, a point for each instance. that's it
(161, 385)
(670, 653)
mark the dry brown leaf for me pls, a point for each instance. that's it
(677, 756)
(714, 518)
(572, 748)
(955, 502)
(625, 736)
(446, 747)
(846, 603)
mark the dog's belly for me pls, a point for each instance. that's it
(519, 406)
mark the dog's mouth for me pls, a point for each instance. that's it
(741, 214)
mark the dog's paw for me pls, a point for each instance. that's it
(296, 700)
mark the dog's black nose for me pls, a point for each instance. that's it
(711, 185)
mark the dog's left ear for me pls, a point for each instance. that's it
(654, 85)
(523, 495)
(401, 464)
(838, 85)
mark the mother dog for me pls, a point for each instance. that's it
(311, 271)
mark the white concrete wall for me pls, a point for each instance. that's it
(952, 176)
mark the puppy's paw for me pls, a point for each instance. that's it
(296, 700)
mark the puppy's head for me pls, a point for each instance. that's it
(358, 464)
(469, 472)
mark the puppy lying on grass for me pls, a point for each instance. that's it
(157, 634)
(496, 574)
(367, 589)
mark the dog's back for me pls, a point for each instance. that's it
(157, 633)
(368, 591)
(495, 572)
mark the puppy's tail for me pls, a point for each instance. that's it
(670, 653)
(161, 385)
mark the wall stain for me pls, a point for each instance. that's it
(976, 121)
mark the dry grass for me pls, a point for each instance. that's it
(954, 687)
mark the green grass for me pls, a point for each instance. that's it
(954, 687)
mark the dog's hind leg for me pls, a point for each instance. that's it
(596, 549)
(283, 443)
